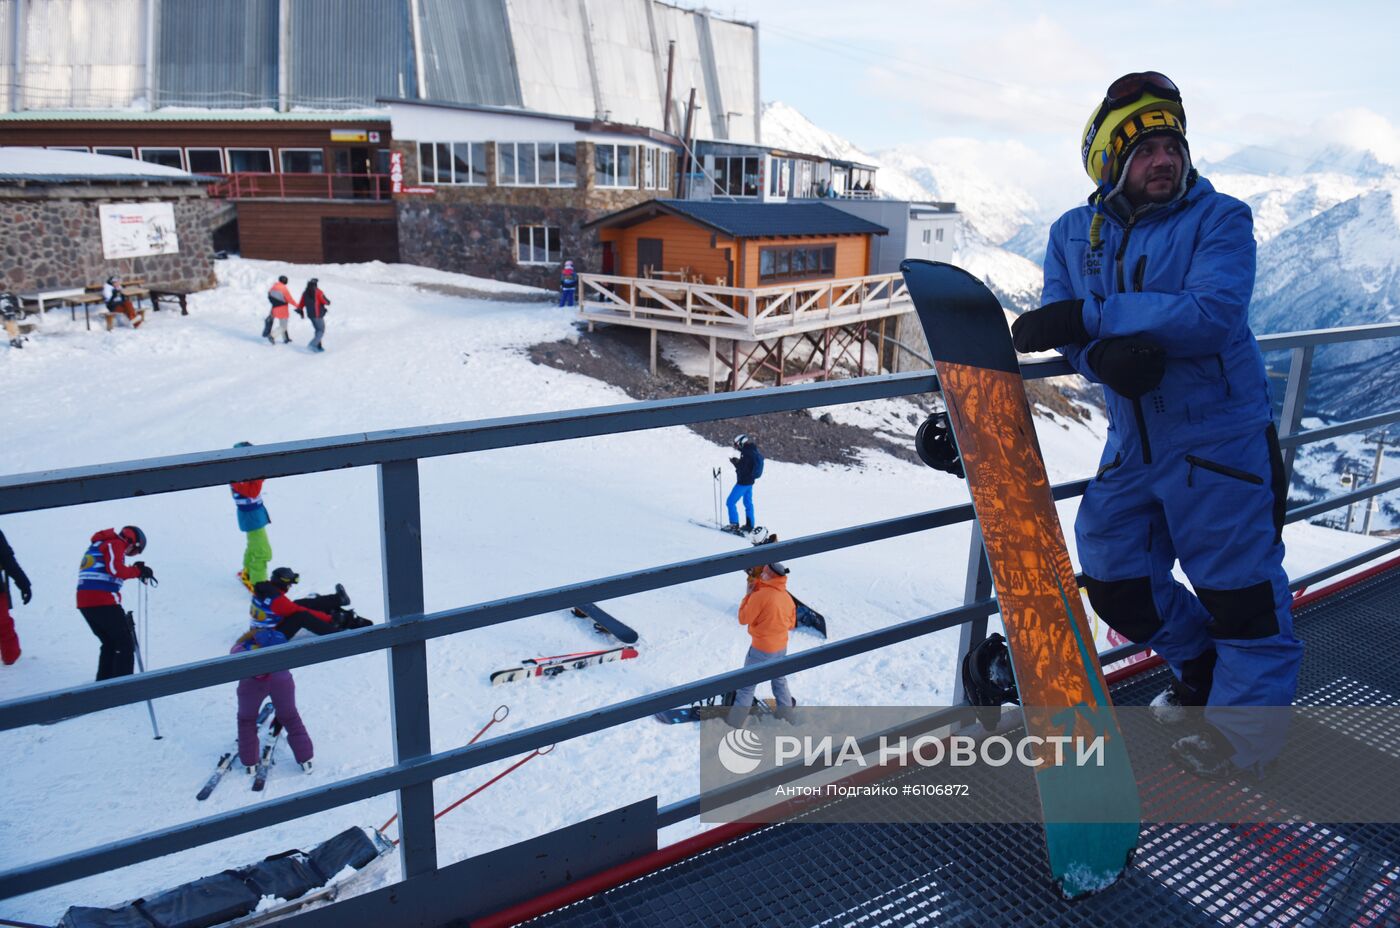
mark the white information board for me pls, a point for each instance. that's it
(134, 230)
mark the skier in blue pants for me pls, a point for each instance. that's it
(748, 467)
(1147, 292)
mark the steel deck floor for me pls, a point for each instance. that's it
(990, 875)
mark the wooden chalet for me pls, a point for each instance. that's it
(778, 290)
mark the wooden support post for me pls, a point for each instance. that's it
(780, 360)
(653, 352)
(712, 364)
(861, 333)
(733, 364)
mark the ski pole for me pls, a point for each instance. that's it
(498, 716)
(537, 752)
(714, 485)
(136, 647)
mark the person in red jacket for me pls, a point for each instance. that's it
(100, 577)
(9, 567)
(314, 303)
(282, 303)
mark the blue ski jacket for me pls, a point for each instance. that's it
(1180, 274)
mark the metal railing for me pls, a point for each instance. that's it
(264, 185)
(396, 454)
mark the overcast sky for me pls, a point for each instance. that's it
(1024, 77)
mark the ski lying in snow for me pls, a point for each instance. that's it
(1091, 812)
(552, 666)
(757, 531)
(606, 623)
(226, 759)
(265, 759)
(807, 617)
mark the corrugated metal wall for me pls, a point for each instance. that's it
(626, 62)
(217, 53)
(585, 58)
(467, 52)
(7, 53)
(551, 54)
(733, 45)
(348, 52)
(84, 54)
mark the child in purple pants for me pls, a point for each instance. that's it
(280, 686)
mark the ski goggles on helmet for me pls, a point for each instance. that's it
(1125, 90)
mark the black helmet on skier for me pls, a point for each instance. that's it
(285, 577)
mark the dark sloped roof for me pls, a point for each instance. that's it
(751, 220)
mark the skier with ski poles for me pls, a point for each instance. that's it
(1147, 292)
(748, 467)
(9, 567)
(101, 574)
(769, 614)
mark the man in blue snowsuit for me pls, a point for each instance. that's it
(1147, 292)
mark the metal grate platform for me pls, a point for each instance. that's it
(873, 876)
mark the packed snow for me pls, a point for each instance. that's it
(402, 351)
(16, 161)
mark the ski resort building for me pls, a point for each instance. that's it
(776, 291)
(729, 170)
(302, 140)
(508, 194)
(73, 219)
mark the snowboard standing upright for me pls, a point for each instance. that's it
(1091, 812)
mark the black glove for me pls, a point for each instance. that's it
(735, 462)
(146, 575)
(25, 593)
(936, 447)
(1131, 366)
(1051, 326)
(301, 313)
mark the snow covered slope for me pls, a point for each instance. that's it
(496, 524)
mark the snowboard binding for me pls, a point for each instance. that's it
(989, 681)
(936, 447)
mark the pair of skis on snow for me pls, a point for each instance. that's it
(268, 743)
(538, 667)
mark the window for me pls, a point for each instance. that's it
(928, 236)
(537, 245)
(614, 165)
(170, 157)
(257, 160)
(536, 164)
(205, 160)
(736, 176)
(116, 152)
(796, 262)
(649, 168)
(462, 163)
(303, 161)
(663, 169)
(938, 235)
(778, 176)
(82, 148)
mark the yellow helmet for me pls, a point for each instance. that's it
(1136, 105)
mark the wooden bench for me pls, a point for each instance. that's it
(173, 295)
(110, 318)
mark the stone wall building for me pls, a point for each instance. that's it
(505, 194)
(50, 207)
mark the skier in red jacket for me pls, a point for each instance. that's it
(314, 303)
(100, 577)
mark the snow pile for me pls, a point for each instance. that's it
(19, 162)
(495, 524)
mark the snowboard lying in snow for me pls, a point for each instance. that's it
(606, 623)
(553, 666)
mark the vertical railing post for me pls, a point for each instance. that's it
(979, 586)
(1295, 396)
(401, 547)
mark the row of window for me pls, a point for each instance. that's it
(543, 164)
(236, 160)
(796, 261)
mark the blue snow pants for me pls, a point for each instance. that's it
(1218, 508)
(741, 491)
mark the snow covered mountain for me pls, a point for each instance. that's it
(992, 211)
